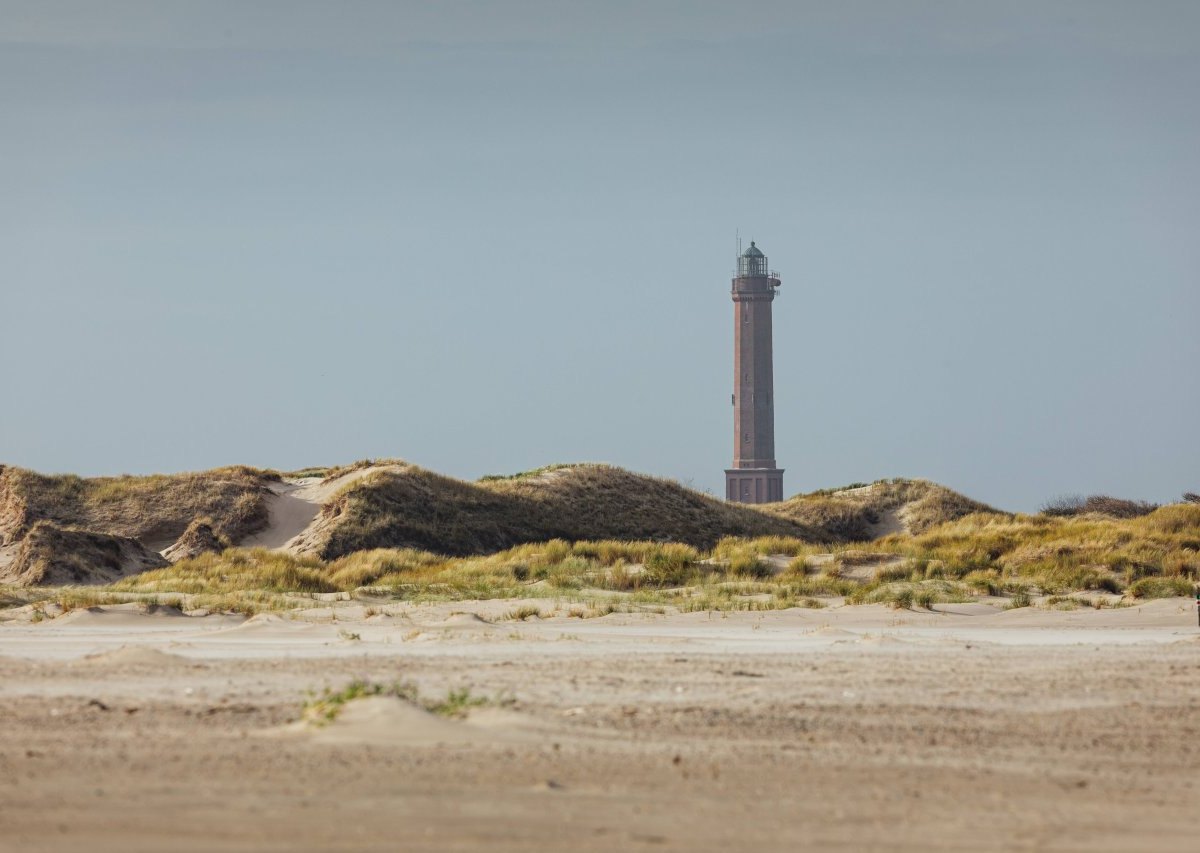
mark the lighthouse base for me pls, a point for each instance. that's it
(753, 485)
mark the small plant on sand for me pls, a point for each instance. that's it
(520, 614)
(323, 709)
(1019, 599)
(800, 565)
(747, 564)
(833, 571)
(983, 582)
(888, 574)
(619, 576)
(670, 564)
(456, 704)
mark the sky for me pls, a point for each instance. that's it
(486, 236)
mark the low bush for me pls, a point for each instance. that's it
(670, 564)
(1018, 600)
(1071, 505)
(1161, 588)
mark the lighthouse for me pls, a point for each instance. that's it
(754, 477)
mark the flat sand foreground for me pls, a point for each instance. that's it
(855, 728)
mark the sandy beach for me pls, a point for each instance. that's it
(856, 728)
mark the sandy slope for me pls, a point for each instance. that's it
(860, 728)
(295, 506)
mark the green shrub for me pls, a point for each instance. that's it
(1018, 600)
(569, 574)
(800, 566)
(746, 564)
(1161, 588)
(984, 582)
(902, 572)
(670, 564)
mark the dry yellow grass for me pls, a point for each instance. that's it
(236, 570)
(985, 553)
(857, 512)
(1058, 553)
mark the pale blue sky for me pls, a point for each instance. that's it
(485, 236)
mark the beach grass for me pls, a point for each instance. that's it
(1015, 557)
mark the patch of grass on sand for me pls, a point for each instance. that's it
(325, 707)
(456, 703)
(852, 512)
(1057, 554)
(1161, 587)
(84, 597)
(766, 545)
(236, 570)
(1018, 600)
(19, 596)
(905, 595)
(537, 472)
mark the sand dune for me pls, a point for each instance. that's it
(295, 504)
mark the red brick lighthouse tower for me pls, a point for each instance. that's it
(753, 479)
